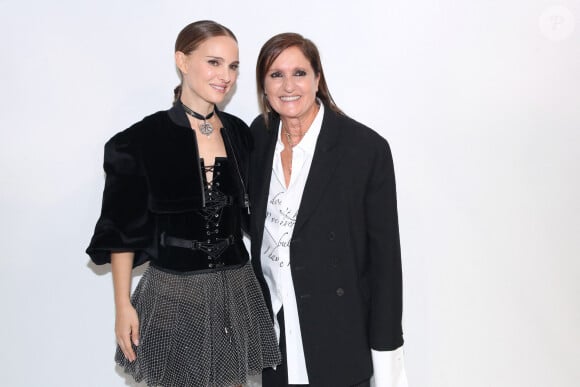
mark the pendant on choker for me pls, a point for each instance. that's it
(205, 128)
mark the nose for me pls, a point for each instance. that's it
(288, 84)
(226, 75)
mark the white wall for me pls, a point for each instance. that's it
(479, 100)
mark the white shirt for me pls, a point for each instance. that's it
(281, 213)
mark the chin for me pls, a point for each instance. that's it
(291, 113)
(217, 96)
(217, 100)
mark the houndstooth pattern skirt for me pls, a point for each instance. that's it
(206, 329)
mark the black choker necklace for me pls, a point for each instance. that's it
(204, 128)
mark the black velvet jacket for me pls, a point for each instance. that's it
(154, 185)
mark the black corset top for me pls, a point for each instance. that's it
(206, 238)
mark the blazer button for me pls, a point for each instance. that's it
(331, 236)
(340, 292)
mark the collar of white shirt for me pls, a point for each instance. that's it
(308, 142)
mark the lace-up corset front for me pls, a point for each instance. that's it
(213, 239)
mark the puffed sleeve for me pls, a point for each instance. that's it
(125, 223)
(385, 253)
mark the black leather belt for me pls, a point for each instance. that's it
(213, 249)
(206, 256)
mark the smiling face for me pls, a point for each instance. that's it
(291, 85)
(209, 72)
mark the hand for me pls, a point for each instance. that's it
(127, 330)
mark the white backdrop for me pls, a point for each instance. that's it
(479, 100)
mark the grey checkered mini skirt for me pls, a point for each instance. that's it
(205, 329)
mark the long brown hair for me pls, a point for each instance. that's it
(192, 36)
(272, 49)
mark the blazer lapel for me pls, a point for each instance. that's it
(326, 159)
(263, 175)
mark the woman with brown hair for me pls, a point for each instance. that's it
(176, 195)
(325, 235)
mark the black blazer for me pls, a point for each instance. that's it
(345, 251)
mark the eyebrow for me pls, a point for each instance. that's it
(273, 69)
(220, 58)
